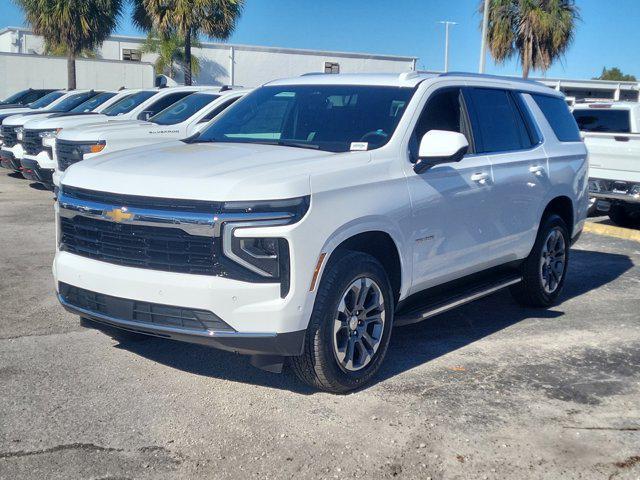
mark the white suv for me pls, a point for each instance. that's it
(318, 212)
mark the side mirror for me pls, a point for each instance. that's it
(440, 146)
(146, 115)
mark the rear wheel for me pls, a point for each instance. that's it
(624, 216)
(350, 327)
(544, 270)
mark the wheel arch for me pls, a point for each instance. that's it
(383, 242)
(563, 206)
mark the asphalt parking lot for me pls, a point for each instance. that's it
(490, 390)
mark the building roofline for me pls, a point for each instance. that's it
(257, 48)
(79, 59)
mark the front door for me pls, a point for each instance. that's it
(451, 201)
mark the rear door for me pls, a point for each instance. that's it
(505, 132)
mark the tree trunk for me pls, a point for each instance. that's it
(187, 58)
(71, 70)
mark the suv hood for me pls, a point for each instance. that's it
(208, 171)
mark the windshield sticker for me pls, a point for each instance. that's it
(359, 146)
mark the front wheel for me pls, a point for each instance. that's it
(350, 327)
(544, 270)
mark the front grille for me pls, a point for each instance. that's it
(68, 153)
(145, 313)
(9, 136)
(135, 201)
(156, 248)
(31, 142)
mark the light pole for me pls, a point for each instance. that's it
(483, 43)
(446, 24)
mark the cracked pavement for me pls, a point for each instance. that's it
(488, 391)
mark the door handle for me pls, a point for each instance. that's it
(480, 178)
(537, 170)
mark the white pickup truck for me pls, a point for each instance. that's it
(39, 162)
(318, 212)
(611, 132)
(183, 119)
(11, 151)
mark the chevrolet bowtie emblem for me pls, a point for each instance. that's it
(119, 214)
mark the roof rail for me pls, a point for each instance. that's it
(308, 74)
(485, 75)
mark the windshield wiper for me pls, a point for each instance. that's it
(285, 143)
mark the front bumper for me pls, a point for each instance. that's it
(261, 323)
(9, 161)
(31, 170)
(266, 343)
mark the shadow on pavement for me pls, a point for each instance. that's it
(411, 346)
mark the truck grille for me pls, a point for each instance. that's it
(151, 314)
(156, 248)
(9, 136)
(31, 142)
(68, 153)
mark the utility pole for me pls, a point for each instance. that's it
(446, 24)
(483, 43)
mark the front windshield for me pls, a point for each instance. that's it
(183, 109)
(93, 103)
(46, 100)
(15, 96)
(72, 101)
(128, 103)
(334, 118)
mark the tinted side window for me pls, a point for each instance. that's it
(597, 120)
(444, 111)
(214, 113)
(557, 113)
(165, 102)
(498, 126)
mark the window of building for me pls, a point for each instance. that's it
(131, 54)
(331, 67)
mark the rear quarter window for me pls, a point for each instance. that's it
(557, 113)
(600, 120)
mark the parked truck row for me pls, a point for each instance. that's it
(299, 222)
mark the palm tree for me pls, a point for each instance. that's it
(170, 51)
(538, 32)
(189, 19)
(76, 25)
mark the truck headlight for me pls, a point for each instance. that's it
(19, 133)
(49, 137)
(80, 149)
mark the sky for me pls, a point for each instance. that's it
(607, 35)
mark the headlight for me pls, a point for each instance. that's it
(268, 257)
(19, 133)
(49, 134)
(78, 150)
(49, 137)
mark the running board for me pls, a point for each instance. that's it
(440, 305)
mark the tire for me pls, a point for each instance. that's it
(537, 289)
(324, 364)
(622, 216)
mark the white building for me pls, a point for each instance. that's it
(228, 64)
